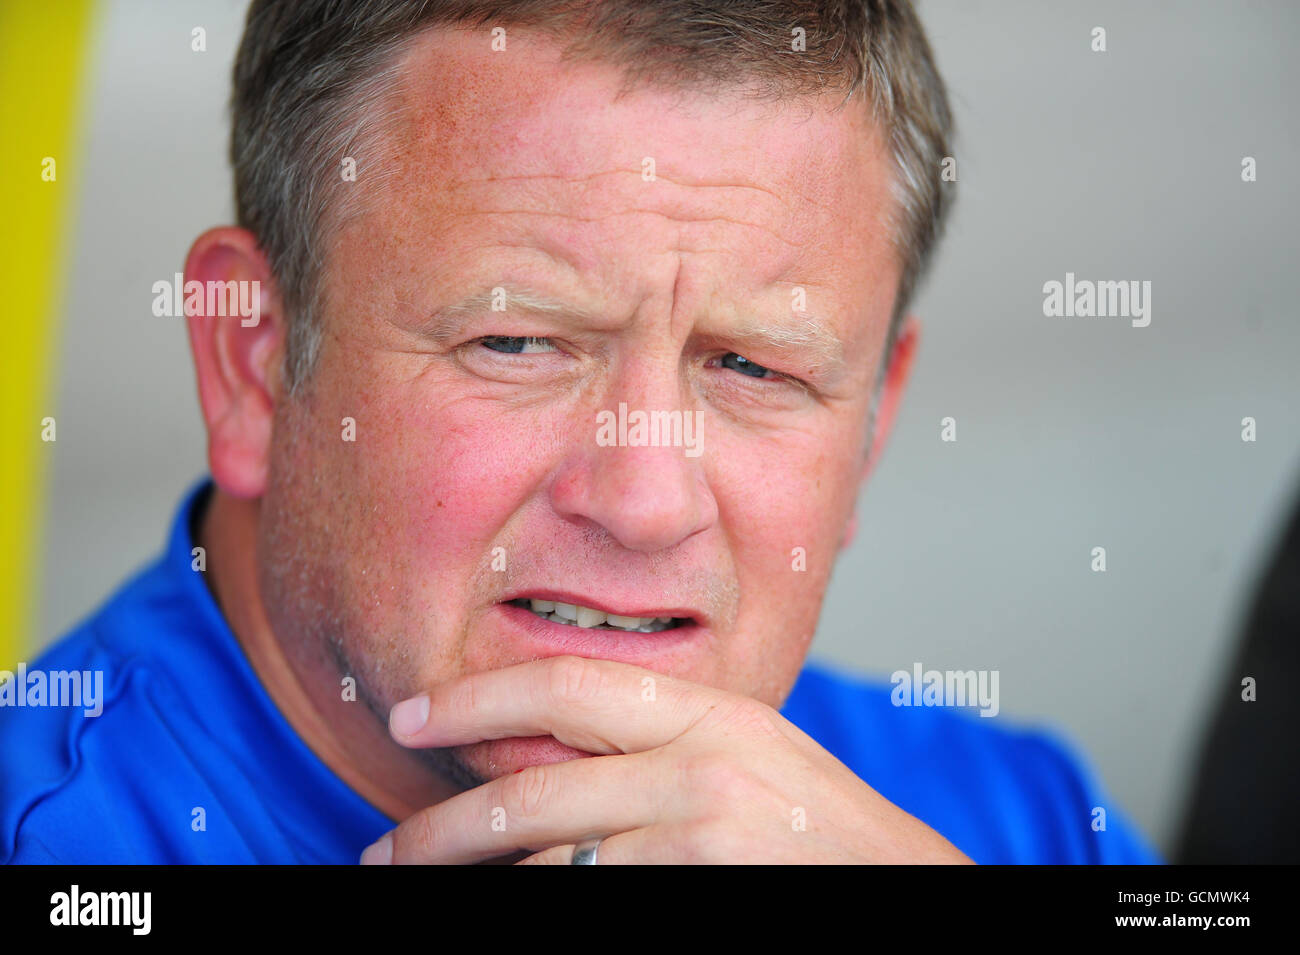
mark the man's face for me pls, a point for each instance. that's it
(476, 477)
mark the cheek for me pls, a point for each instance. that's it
(783, 511)
(451, 475)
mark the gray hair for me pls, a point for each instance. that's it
(311, 78)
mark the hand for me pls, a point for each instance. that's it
(681, 774)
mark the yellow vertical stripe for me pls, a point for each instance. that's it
(42, 54)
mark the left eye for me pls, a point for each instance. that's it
(744, 365)
(517, 345)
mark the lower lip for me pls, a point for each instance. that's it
(619, 645)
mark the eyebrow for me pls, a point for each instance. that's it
(809, 335)
(445, 322)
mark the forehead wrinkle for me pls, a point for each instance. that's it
(659, 177)
(793, 205)
(465, 213)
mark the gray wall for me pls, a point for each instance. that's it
(1072, 433)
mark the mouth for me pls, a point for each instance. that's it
(592, 618)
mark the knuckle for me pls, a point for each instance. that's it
(459, 697)
(700, 842)
(527, 794)
(714, 778)
(756, 718)
(468, 691)
(413, 839)
(575, 678)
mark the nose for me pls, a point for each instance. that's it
(638, 477)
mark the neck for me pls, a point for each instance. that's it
(304, 681)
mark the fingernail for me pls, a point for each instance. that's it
(381, 853)
(409, 716)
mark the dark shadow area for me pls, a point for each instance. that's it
(1246, 797)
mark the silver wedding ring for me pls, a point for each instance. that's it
(584, 853)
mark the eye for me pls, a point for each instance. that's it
(516, 344)
(744, 365)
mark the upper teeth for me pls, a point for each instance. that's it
(589, 618)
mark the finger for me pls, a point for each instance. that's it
(537, 807)
(556, 855)
(597, 706)
(656, 845)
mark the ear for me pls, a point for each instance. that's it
(891, 393)
(236, 331)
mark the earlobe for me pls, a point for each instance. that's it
(236, 328)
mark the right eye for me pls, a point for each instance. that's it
(743, 365)
(516, 344)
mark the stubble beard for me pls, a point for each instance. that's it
(300, 589)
